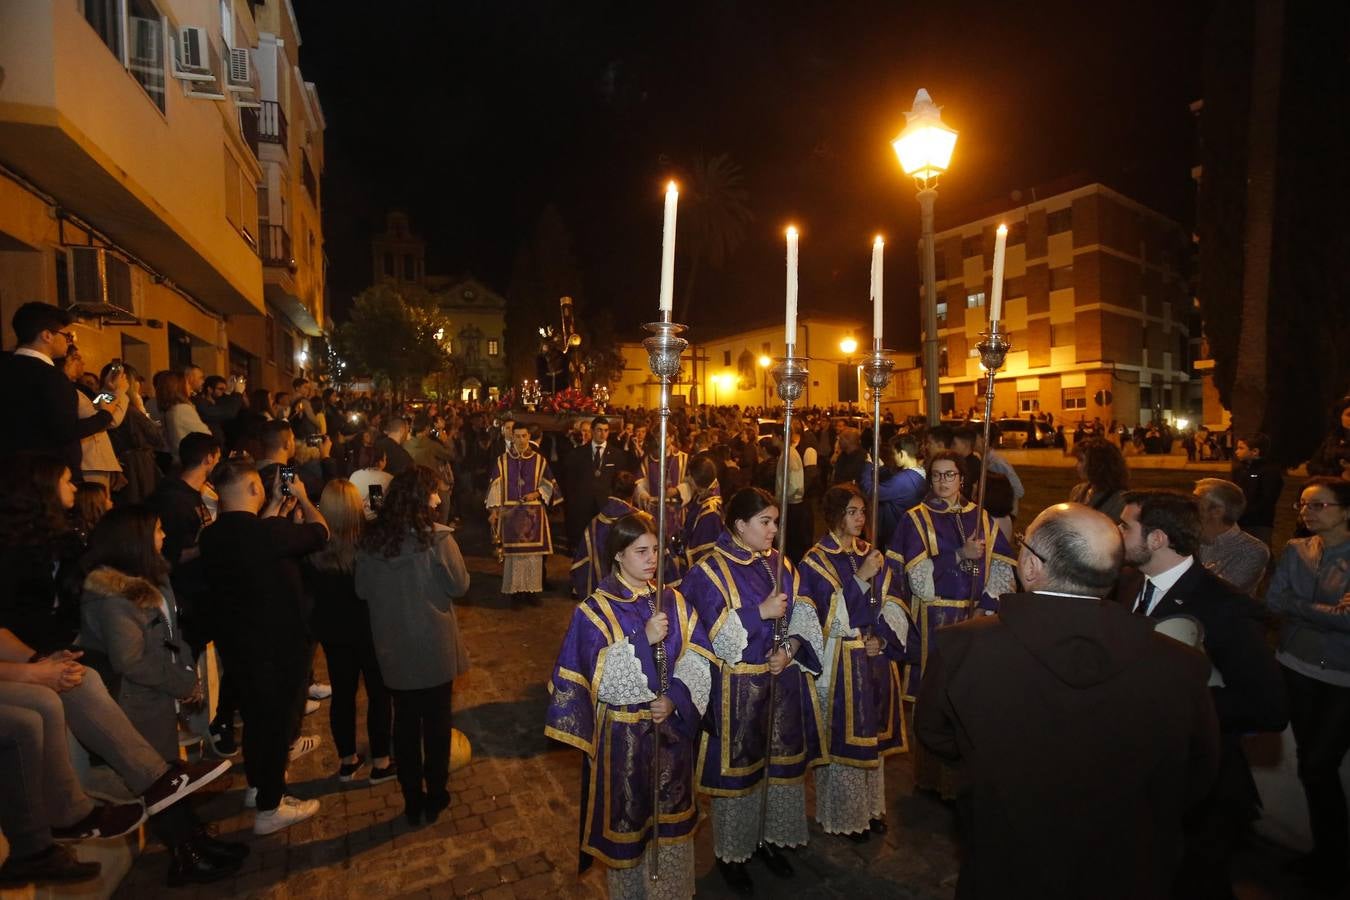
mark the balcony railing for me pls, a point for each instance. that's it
(266, 124)
(275, 246)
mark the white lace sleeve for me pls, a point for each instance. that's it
(732, 639)
(693, 670)
(805, 624)
(623, 681)
(1000, 580)
(921, 579)
(899, 622)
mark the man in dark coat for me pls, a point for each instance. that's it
(1161, 531)
(588, 478)
(43, 410)
(1083, 734)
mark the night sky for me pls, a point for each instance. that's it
(476, 116)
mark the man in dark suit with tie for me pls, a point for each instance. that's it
(589, 472)
(1161, 531)
(43, 411)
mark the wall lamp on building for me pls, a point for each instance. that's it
(848, 346)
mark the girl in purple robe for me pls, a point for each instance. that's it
(759, 633)
(703, 518)
(628, 666)
(588, 568)
(942, 568)
(859, 689)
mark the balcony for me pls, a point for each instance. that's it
(311, 183)
(266, 124)
(275, 246)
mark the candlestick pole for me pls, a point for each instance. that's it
(877, 371)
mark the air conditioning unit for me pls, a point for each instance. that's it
(191, 56)
(241, 70)
(100, 286)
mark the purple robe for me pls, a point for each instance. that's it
(703, 525)
(617, 740)
(731, 581)
(931, 532)
(866, 719)
(675, 465)
(524, 523)
(587, 570)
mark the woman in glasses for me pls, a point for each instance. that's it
(946, 562)
(1311, 590)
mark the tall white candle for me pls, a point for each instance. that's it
(791, 324)
(668, 249)
(878, 248)
(1000, 251)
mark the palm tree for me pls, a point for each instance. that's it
(714, 216)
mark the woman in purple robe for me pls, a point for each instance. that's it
(629, 666)
(943, 569)
(588, 568)
(859, 688)
(703, 516)
(745, 596)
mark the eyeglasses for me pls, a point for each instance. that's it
(946, 476)
(68, 335)
(1314, 505)
(1022, 540)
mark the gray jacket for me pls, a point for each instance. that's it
(412, 619)
(131, 643)
(1311, 589)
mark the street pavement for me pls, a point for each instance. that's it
(511, 831)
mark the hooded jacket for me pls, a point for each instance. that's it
(1082, 737)
(129, 632)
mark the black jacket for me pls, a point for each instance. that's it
(587, 486)
(397, 459)
(1083, 736)
(1261, 481)
(43, 411)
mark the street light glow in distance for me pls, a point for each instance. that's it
(925, 146)
(848, 345)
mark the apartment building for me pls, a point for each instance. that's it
(1097, 307)
(159, 176)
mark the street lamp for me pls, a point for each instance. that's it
(764, 363)
(924, 149)
(848, 346)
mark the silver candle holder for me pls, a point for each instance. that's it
(877, 371)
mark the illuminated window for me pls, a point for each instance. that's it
(1073, 398)
(974, 299)
(941, 314)
(493, 347)
(1028, 401)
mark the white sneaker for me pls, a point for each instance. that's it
(311, 707)
(290, 811)
(320, 691)
(305, 744)
(251, 798)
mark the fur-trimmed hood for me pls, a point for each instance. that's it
(109, 582)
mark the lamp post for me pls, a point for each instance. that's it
(848, 346)
(764, 363)
(925, 149)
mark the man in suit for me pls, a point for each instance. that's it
(1161, 532)
(588, 478)
(43, 413)
(1083, 734)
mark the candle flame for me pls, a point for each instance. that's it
(672, 187)
(1002, 229)
(792, 231)
(879, 242)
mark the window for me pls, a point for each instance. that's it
(974, 299)
(1014, 288)
(105, 17)
(1059, 221)
(409, 267)
(972, 246)
(389, 264)
(942, 314)
(1073, 398)
(241, 199)
(494, 348)
(942, 359)
(145, 48)
(1028, 401)
(1017, 233)
(939, 266)
(287, 352)
(62, 279)
(764, 348)
(1062, 335)
(726, 357)
(1061, 278)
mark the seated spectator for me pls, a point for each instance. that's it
(129, 634)
(341, 623)
(1225, 549)
(135, 442)
(42, 412)
(180, 416)
(1105, 476)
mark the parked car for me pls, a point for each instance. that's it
(1017, 434)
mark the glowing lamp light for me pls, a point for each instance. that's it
(765, 362)
(1183, 424)
(925, 146)
(303, 357)
(848, 345)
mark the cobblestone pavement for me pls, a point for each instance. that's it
(511, 829)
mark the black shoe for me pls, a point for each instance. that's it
(773, 858)
(191, 865)
(877, 826)
(54, 865)
(223, 743)
(381, 775)
(435, 805)
(181, 779)
(412, 808)
(858, 837)
(108, 820)
(347, 771)
(737, 877)
(214, 847)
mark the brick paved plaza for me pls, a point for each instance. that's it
(512, 828)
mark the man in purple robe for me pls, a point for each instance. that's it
(518, 498)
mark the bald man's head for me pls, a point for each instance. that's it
(1072, 549)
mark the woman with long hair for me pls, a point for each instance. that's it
(1333, 455)
(607, 685)
(91, 504)
(859, 689)
(901, 483)
(409, 570)
(177, 411)
(40, 549)
(98, 461)
(945, 563)
(129, 634)
(1309, 591)
(1105, 477)
(341, 623)
(135, 440)
(755, 757)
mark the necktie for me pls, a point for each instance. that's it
(1145, 598)
(598, 449)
